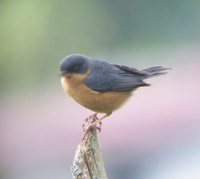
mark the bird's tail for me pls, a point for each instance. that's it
(155, 71)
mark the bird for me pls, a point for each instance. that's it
(101, 86)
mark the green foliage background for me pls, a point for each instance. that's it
(35, 35)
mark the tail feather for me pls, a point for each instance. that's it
(155, 71)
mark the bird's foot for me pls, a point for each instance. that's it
(91, 123)
(91, 127)
(89, 120)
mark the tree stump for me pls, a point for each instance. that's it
(88, 161)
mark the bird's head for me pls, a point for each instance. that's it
(74, 64)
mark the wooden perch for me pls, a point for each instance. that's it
(88, 161)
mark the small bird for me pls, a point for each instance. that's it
(100, 86)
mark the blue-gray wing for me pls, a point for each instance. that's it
(108, 77)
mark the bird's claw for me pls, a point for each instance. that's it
(89, 124)
(88, 121)
(91, 127)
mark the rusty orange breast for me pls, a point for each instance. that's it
(101, 102)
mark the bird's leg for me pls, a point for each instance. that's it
(99, 121)
(94, 124)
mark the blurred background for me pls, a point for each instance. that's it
(154, 136)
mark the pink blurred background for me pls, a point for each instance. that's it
(155, 135)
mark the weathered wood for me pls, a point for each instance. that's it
(88, 161)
